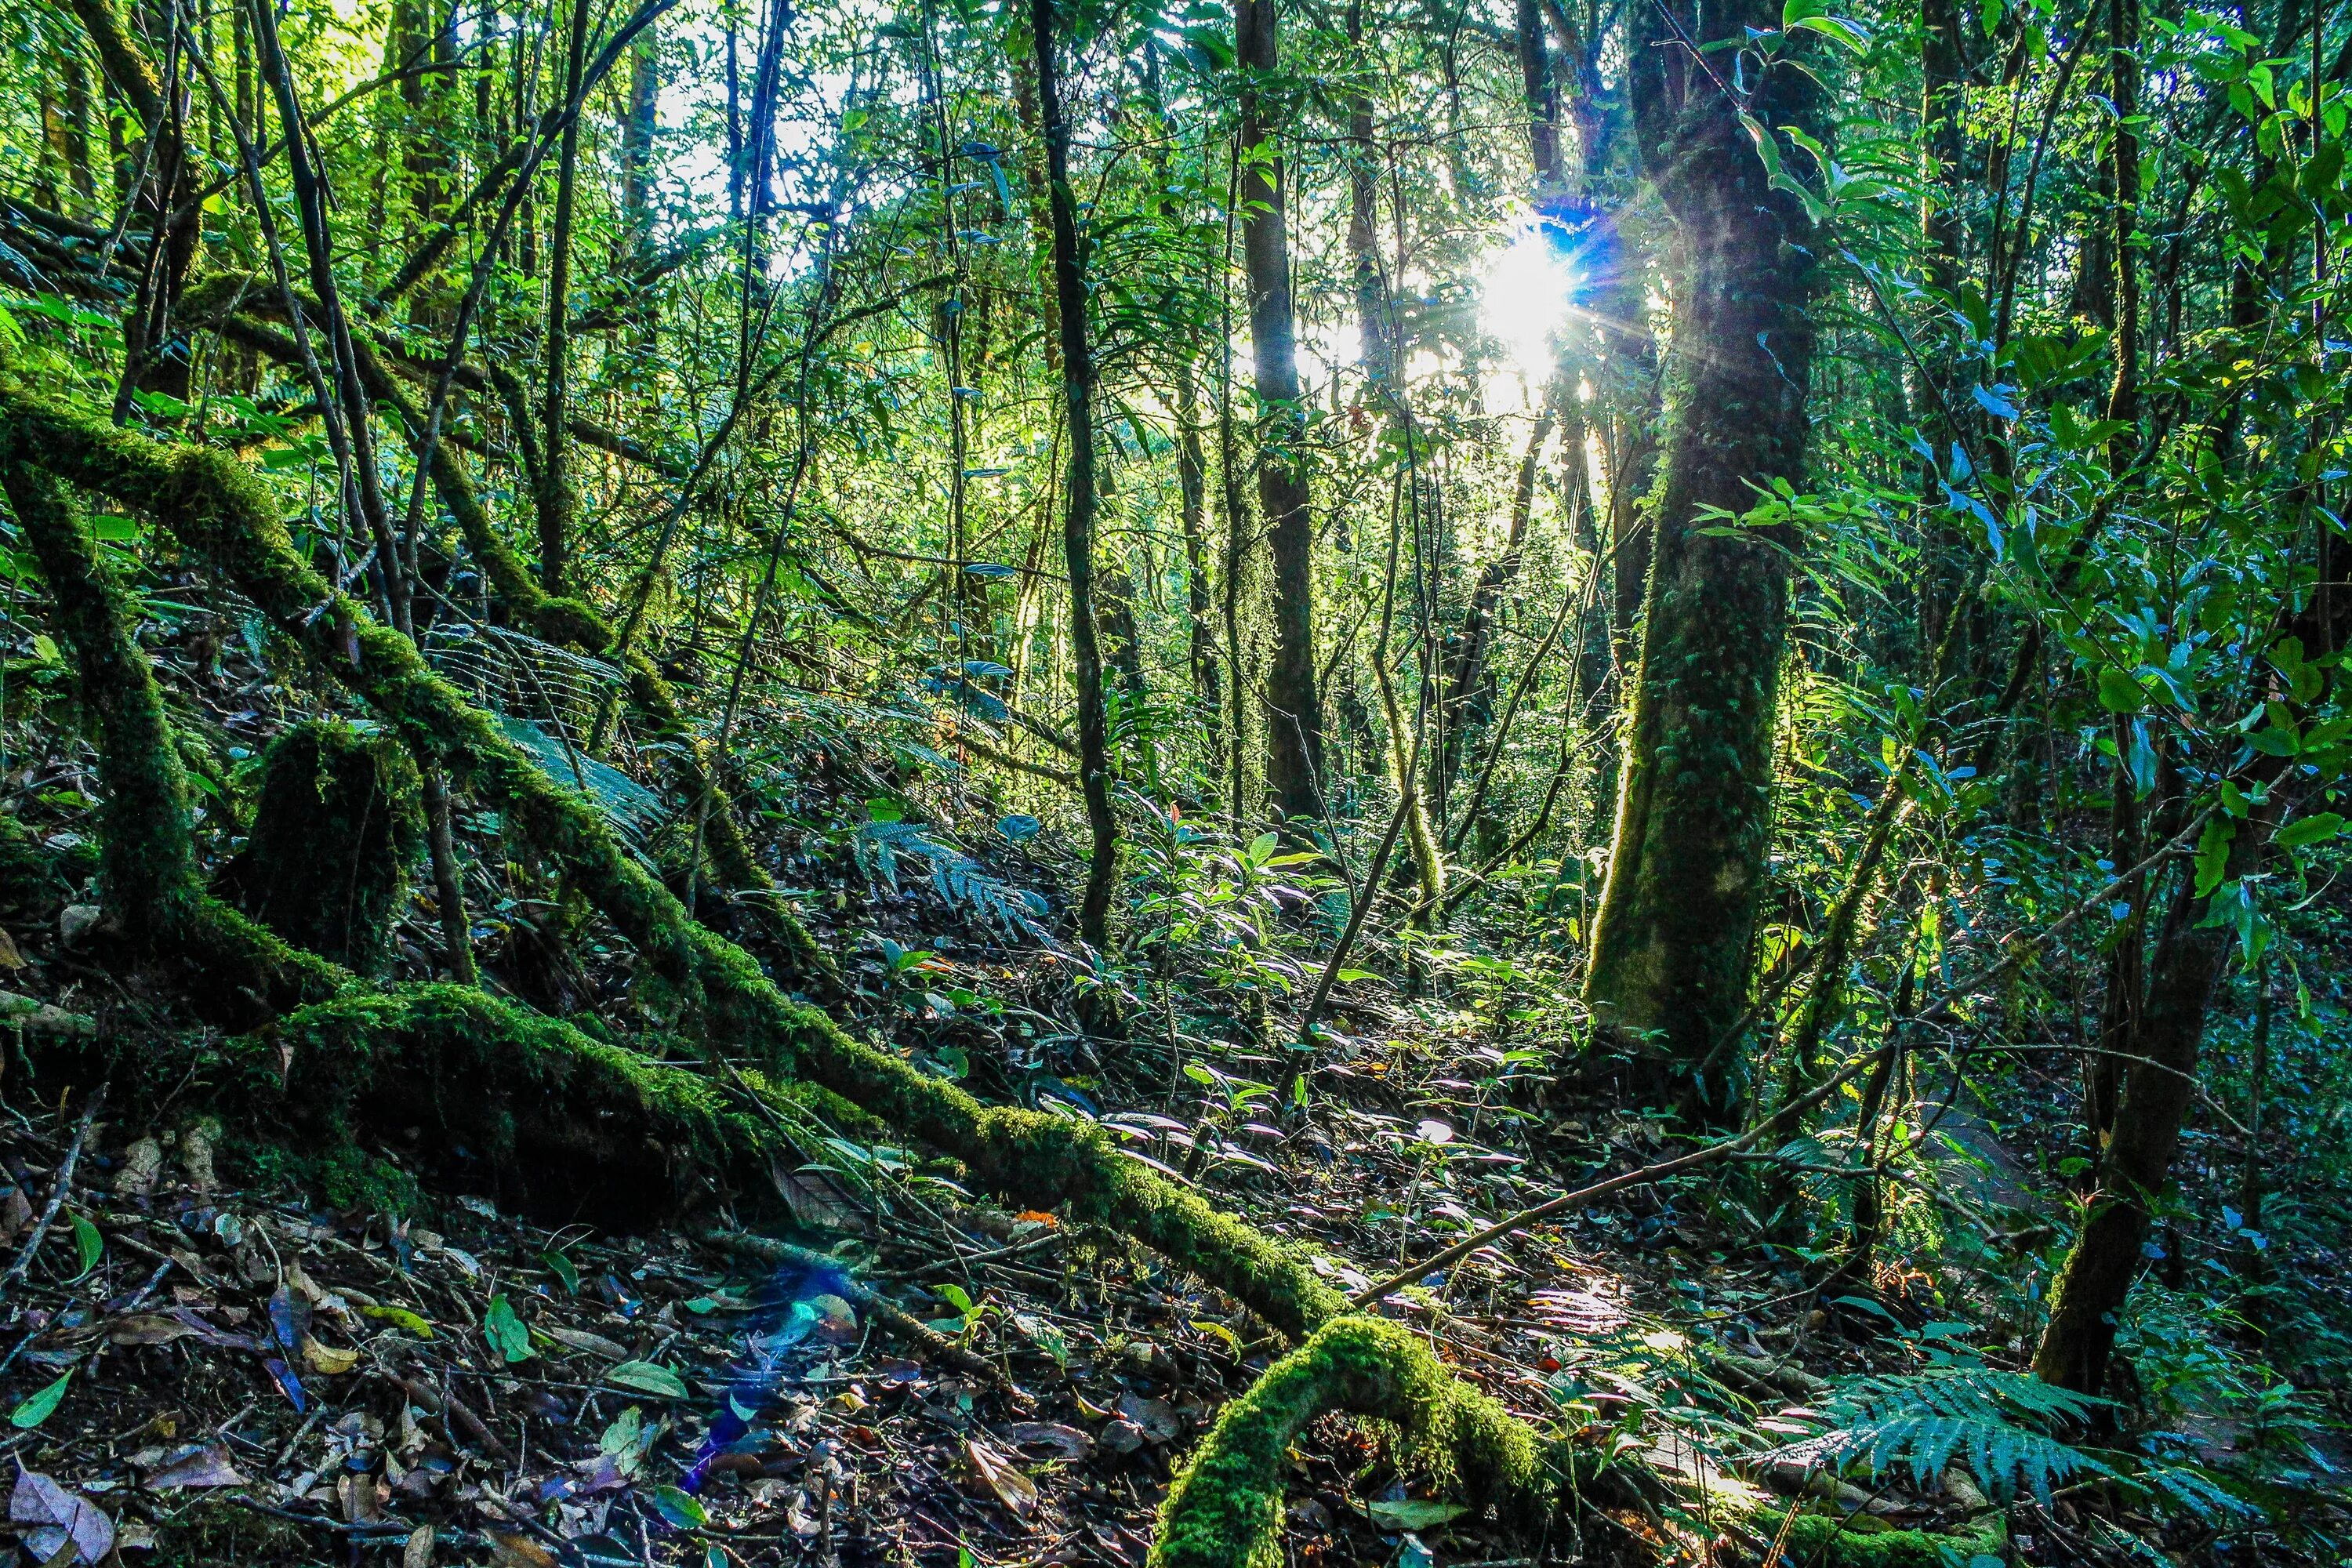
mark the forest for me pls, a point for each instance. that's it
(1285, 784)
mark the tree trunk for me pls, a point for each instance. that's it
(1694, 811)
(1078, 516)
(559, 497)
(637, 128)
(1294, 703)
(2079, 1340)
(1193, 491)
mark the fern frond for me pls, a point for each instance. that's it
(1994, 1423)
(956, 877)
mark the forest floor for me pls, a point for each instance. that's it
(253, 1380)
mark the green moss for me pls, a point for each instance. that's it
(147, 867)
(1818, 1540)
(147, 876)
(1226, 1509)
(335, 833)
(501, 1099)
(340, 1178)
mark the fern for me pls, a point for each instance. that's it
(631, 809)
(1996, 1423)
(957, 878)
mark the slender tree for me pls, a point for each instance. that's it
(1079, 492)
(1294, 699)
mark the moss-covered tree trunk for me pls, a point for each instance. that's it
(335, 833)
(1294, 701)
(1670, 945)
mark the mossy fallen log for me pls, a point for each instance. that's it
(1226, 1509)
(501, 1101)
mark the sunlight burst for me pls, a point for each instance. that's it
(1524, 296)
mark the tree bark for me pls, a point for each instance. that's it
(1079, 501)
(1294, 702)
(1671, 942)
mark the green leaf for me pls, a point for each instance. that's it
(1813, 16)
(683, 1509)
(2314, 828)
(562, 1268)
(506, 1331)
(401, 1317)
(1413, 1513)
(2213, 853)
(646, 1377)
(89, 1243)
(41, 1405)
(2119, 693)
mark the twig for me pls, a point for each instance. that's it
(58, 1190)
(893, 1320)
(966, 1260)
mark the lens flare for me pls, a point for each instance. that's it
(1524, 296)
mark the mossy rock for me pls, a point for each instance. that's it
(336, 831)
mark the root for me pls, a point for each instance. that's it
(1226, 1509)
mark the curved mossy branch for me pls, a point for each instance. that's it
(221, 512)
(1226, 1509)
(148, 872)
(571, 621)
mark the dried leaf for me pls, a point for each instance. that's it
(328, 1361)
(1067, 1442)
(418, 1553)
(1013, 1489)
(818, 1199)
(206, 1467)
(519, 1552)
(1156, 1416)
(582, 1340)
(48, 1518)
